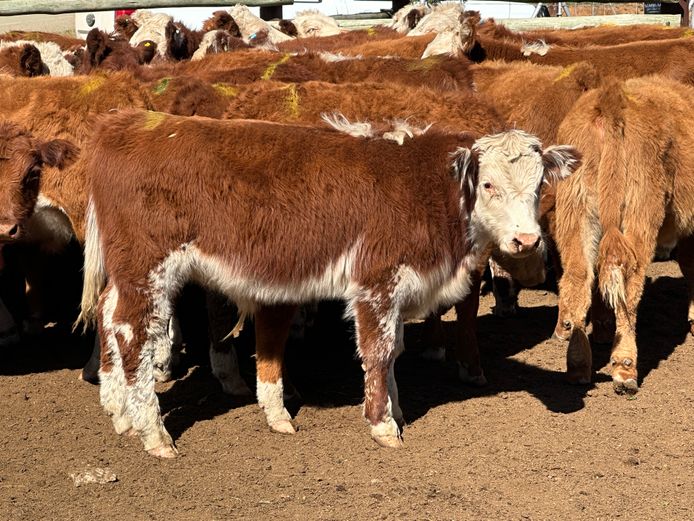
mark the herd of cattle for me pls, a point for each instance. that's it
(281, 164)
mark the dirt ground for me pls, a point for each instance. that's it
(527, 446)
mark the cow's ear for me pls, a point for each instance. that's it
(465, 171)
(58, 153)
(30, 61)
(97, 46)
(560, 161)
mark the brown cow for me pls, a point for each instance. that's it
(275, 215)
(305, 102)
(624, 61)
(437, 72)
(634, 191)
(104, 52)
(587, 36)
(61, 107)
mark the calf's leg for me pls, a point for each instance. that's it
(222, 316)
(379, 337)
(505, 291)
(139, 325)
(466, 347)
(272, 325)
(577, 236)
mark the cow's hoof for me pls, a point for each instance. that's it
(563, 330)
(579, 359)
(624, 376)
(162, 374)
(282, 427)
(505, 310)
(628, 386)
(391, 442)
(164, 452)
(89, 378)
(578, 378)
(434, 354)
(237, 388)
(475, 380)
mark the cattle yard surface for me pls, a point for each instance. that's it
(527, 446)
(421, 172)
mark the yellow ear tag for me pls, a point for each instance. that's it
(148, 44)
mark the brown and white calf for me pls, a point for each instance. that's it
(275, 215)
(635, 191)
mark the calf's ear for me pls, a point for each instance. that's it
(560, 161)
(58, 153)
(465, 171)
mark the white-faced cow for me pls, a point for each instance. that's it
(276, 215)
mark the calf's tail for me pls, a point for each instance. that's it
(616, 256)
(94, 272)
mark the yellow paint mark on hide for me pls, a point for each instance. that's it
(370, 31)
(425, 64)
(293, 101)
(160, 87)
(226, 90)
(92, 85)
(153, 119)
(273, 66)
(565, 72)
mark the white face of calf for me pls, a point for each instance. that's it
(506, 188)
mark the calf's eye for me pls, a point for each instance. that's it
(487, 185)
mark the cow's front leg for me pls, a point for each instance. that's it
(466, 347)
(222, 315)
(504, 289)
(577, 236)
(272, 326)
(378, 329)
(130, 326)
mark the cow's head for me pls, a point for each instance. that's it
(502, 194)
(21, 159)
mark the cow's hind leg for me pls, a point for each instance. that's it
(378, 329)
(272, 325)
(641, 239)
(112, 391)
(685, 258)
(222, 317)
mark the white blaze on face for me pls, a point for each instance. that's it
(507, 204)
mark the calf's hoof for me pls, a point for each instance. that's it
(164, 452)
(579, 359)
(162, 373)
(624, 376)
(387, 434)
(434, 354)
(476, 380)
(88, 377)
(282, 427)
(390, 442)
(563, 330)
(505, 310)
